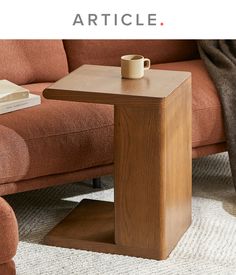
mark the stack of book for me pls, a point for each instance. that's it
(14, 97)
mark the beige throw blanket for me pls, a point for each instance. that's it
(219, 57)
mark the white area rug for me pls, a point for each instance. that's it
(208, 247)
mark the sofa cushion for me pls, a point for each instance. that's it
(8, 232)
(54, 137)
(207, 123)
(28, 61)
(108, 52)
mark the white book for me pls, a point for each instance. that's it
(32, 100)
(10, 91)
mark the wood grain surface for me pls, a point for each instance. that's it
(103, 84)
(153, 173)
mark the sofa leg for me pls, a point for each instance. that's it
(97, 183)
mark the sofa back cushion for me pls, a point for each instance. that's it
(28, 61)
(108, 52)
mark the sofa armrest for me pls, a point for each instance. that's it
(8, 232)
(8, 268)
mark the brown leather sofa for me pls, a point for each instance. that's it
(63, 142)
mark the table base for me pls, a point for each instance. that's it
(90, 226)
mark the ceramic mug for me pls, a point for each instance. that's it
(134, 65)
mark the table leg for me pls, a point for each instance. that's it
(152, 176)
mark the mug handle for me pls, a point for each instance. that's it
(147, 63)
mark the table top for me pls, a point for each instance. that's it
(103, 84)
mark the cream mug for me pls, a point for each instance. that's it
(133, 66)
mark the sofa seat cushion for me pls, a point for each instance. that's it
(207, 123)
(8, 232)
(30, 61)
(54, 137)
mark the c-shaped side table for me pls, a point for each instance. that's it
(152, 163)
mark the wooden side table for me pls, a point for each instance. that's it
(152, 159)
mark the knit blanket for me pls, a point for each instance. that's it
(219, 57)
